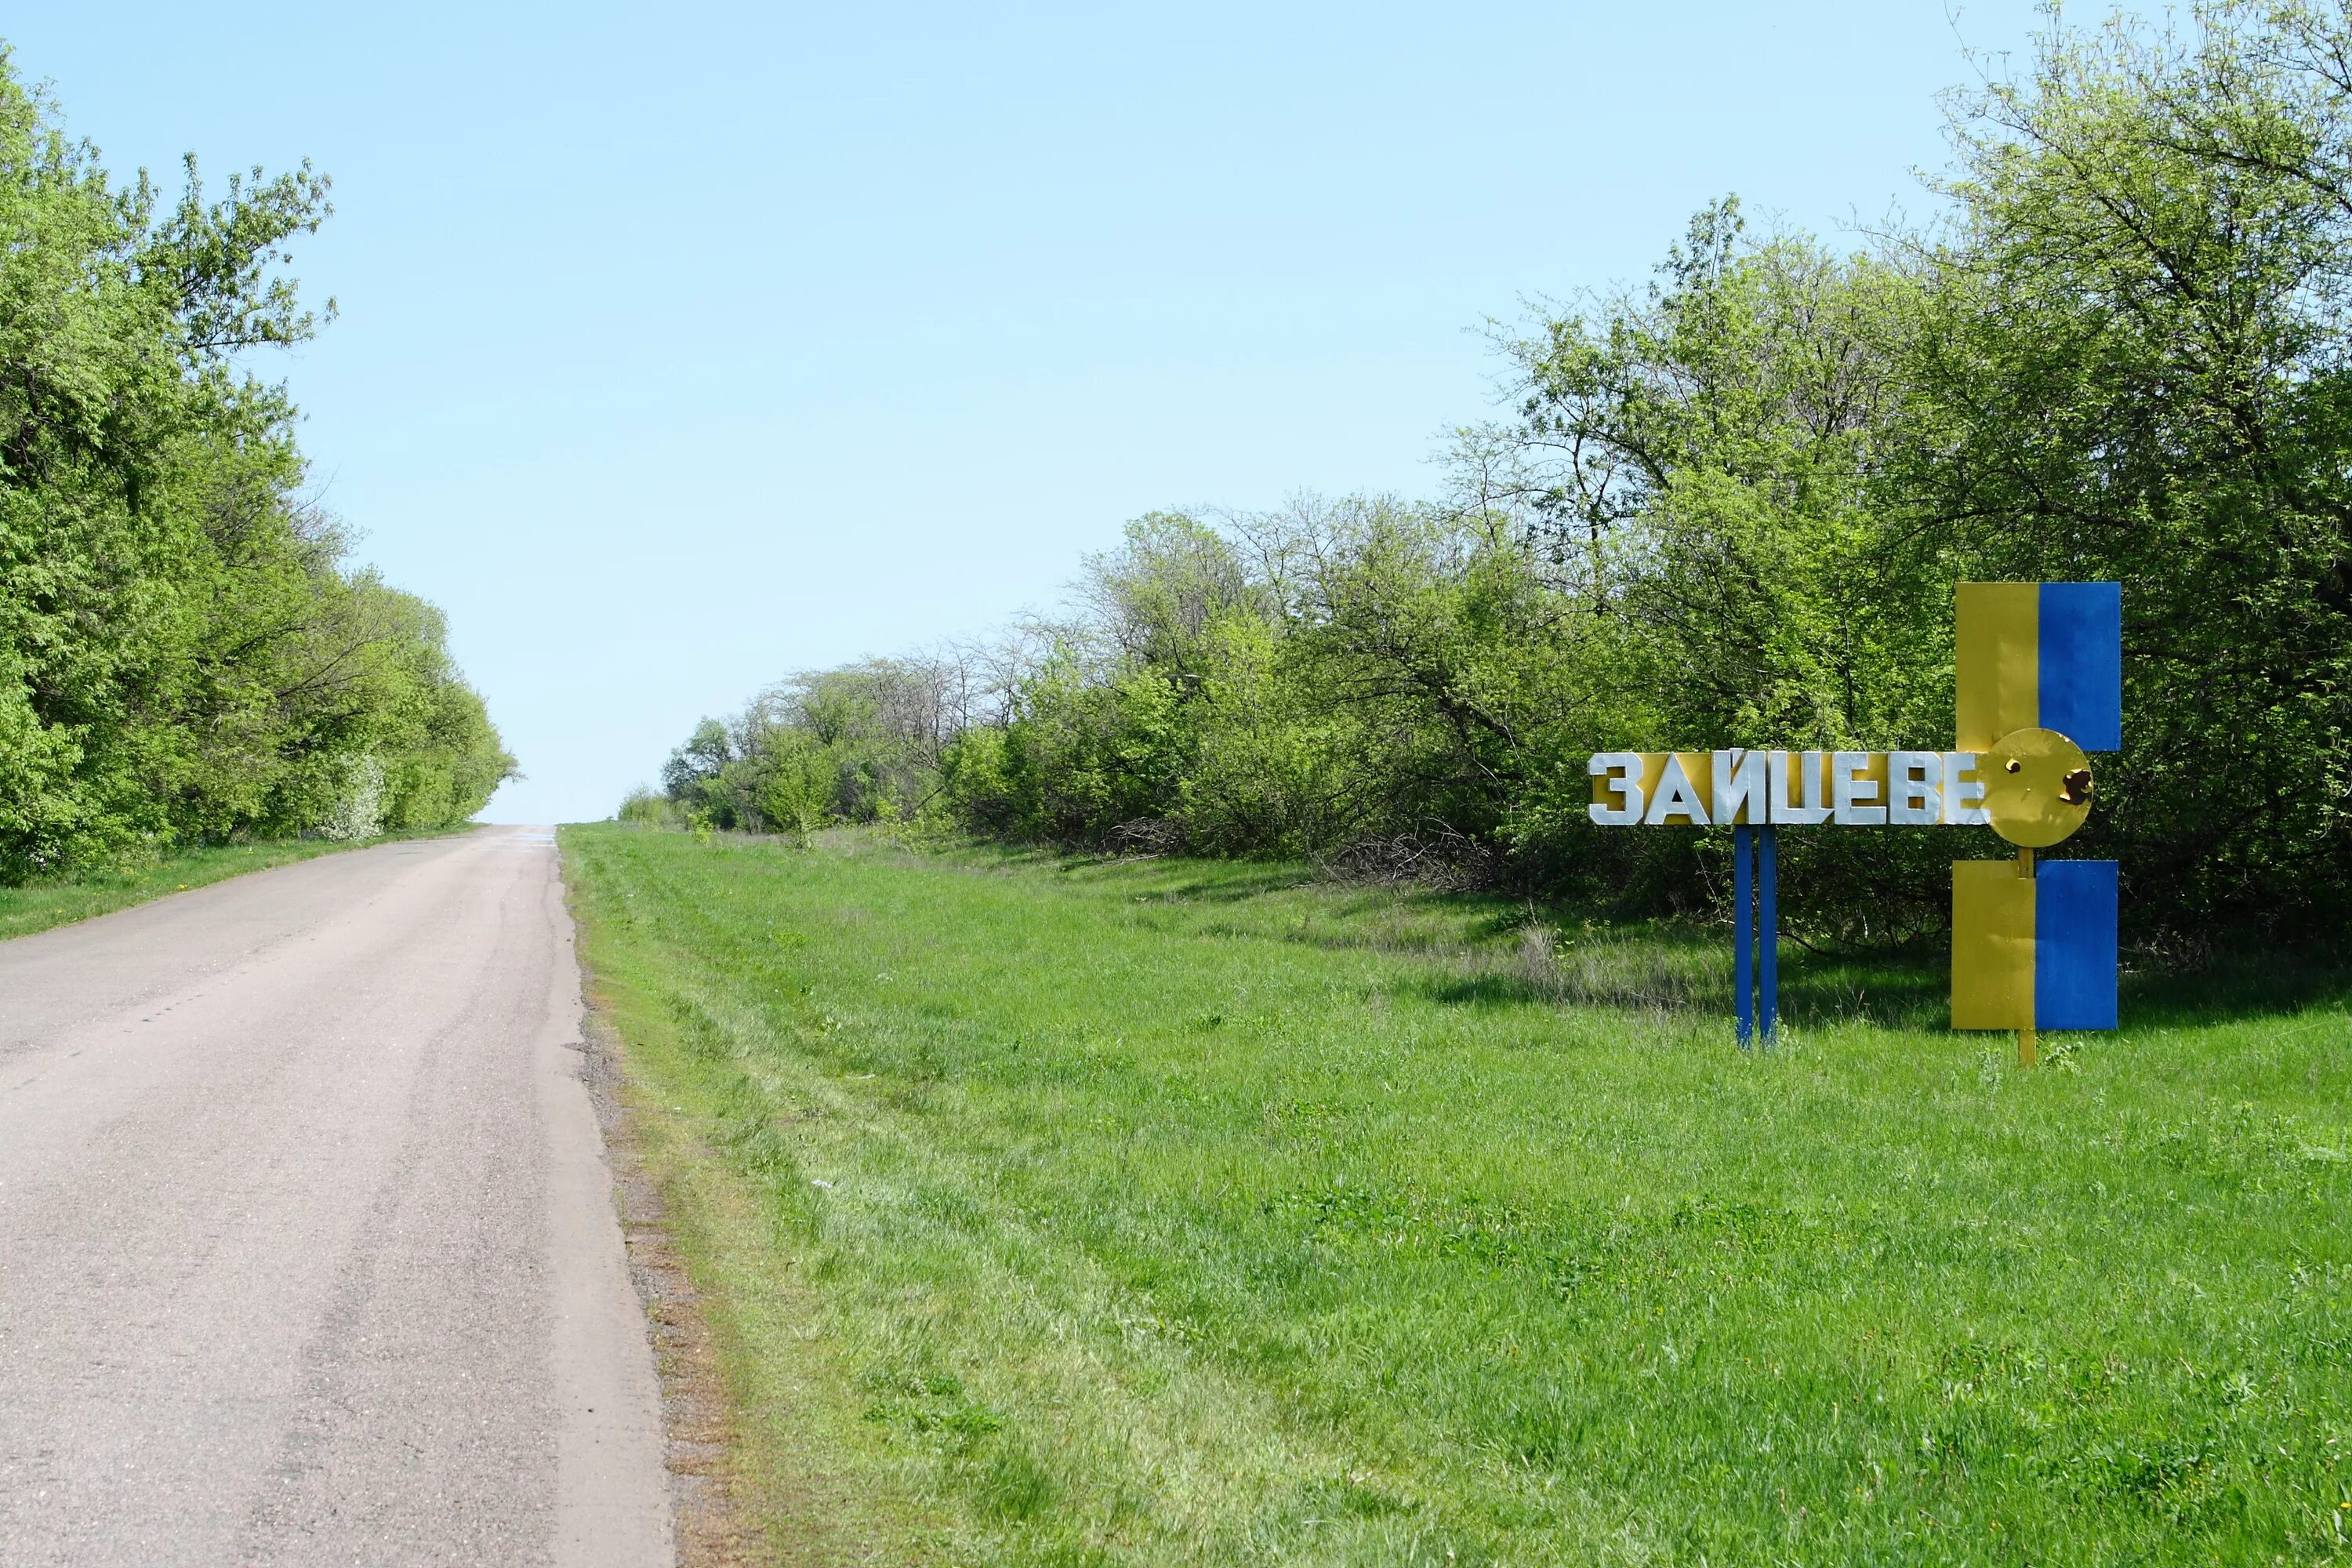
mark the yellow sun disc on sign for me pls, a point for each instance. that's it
(2037, 787)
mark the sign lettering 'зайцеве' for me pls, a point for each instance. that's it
(1786, 789)
(2039, 682)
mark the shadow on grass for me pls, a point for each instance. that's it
(1697, 982)
(1182, 879)
(1487, 951)
(1234, 891)
(2237, 987)
(1690, 973)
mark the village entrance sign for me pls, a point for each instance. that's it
(2039, 673)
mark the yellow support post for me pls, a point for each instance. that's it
(2026, 1054)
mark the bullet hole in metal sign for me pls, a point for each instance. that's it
(2077, 787)
(2016, 766)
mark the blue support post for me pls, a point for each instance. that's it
(1767, 931)
(1742, 976)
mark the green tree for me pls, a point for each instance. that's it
(2135, 367)
(183, 654)
(1731, 508)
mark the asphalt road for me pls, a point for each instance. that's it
(308, 1249)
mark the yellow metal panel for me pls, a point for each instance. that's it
(1653, 764)
(1872, 771)
(1700, 768)
(1653, 769)
(1801, 792)
(1996, 661)
(1605, 788)
(1992, 946)
(1699, 765)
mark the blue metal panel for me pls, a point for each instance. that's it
(2075, 944)
(2082, 663)
(1767, 933)
(1742, 900)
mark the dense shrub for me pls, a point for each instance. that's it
(1729, 509)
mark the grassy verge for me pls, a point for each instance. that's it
(1168, 1213)
(41, 905)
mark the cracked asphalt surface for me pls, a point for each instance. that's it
(307, 1250)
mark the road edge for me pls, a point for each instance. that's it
(711, 1527)
(615, 1504)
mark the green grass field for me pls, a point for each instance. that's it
(1172, 1212)
(40, 905)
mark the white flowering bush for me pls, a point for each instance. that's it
(359, 812)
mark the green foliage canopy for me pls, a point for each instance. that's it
(184, 654)
(1729, 509)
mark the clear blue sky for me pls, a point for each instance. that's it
(683, 347)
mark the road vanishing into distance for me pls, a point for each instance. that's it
(308, 1246)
